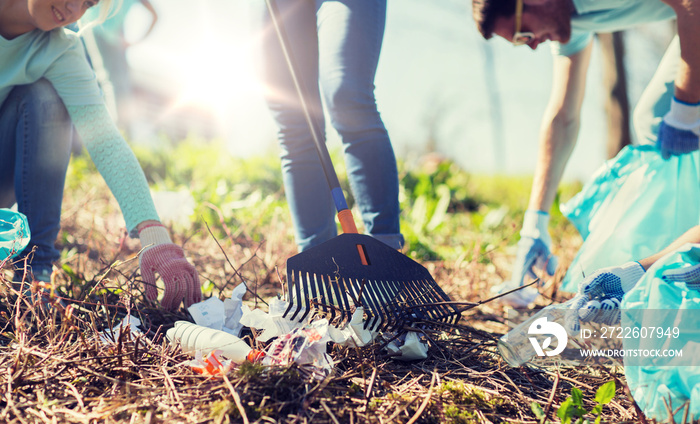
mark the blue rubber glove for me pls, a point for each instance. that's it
(679, 132)
(533, 253)
(533, 248)
(599, 295)
(689, 275)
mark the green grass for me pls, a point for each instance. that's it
(445, 210)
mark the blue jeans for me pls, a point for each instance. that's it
(35, 147)
(336, 46)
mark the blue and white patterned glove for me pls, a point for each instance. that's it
(679, 132)
(689, 275)
(599, 295)
(533, 253)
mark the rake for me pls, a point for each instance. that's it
(351, 269)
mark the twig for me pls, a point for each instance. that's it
(236, 399)
(423, 405)
(328, 411)
(235, 270)
(551, 398)
(368, 392)
(668, 409)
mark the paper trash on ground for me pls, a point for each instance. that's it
(303, 345)
(272, 323)
(233, 310)
(412, 348)
(225, 316)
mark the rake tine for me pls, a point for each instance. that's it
(339, 298)
(439, 312)
(384, 298)
(345, 295)
(370, 298)
(357, 287)
(329, 296)
(412, 293)
(309, 297)
(350, 290)
(385, 302)
(361, 290)
(294, 284)
(376, 296)
(325, 298)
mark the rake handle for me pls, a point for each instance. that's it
(345, 217)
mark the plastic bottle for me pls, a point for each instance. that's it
(516, 348)
(193, 337)
(14, 233)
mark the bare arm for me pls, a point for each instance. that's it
(690, 236)
(560, 125)
(688, 78)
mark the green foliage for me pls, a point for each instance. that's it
(459, 415)
(446, 211)
(250, 370)
(239, 193)
(573, 409)
(605, 393)
(537, 410)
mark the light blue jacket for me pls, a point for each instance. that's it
(593, 16)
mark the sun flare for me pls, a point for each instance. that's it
(215, 76)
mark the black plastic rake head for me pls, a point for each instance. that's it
(394, 290)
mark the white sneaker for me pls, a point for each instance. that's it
(518, 299)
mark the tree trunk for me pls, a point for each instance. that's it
(615, 81)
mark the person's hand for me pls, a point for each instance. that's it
(689, 275)
(160, 255)
(599, 295)
(679, 132)
(533, 253)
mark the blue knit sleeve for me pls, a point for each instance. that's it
(116, 163)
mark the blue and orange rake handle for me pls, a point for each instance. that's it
(352, 269)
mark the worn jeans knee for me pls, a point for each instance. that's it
(36, 136)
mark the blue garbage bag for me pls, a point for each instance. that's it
(665, 380)
(635, 205)
(14, 233)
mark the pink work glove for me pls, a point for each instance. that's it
(160, 255)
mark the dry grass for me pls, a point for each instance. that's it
(53, 368)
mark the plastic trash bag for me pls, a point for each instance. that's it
(654, 302)
(635, 205)
(14, 233)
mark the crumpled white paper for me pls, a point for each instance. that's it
(354, 333)
(272, 323)
(412, 348)
(112, 335)
(225, 316)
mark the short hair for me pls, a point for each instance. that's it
(485, 13)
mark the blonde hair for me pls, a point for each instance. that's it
(105, 9)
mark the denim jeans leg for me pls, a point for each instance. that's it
(350, 37)
(35, 125)
(305, 185)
